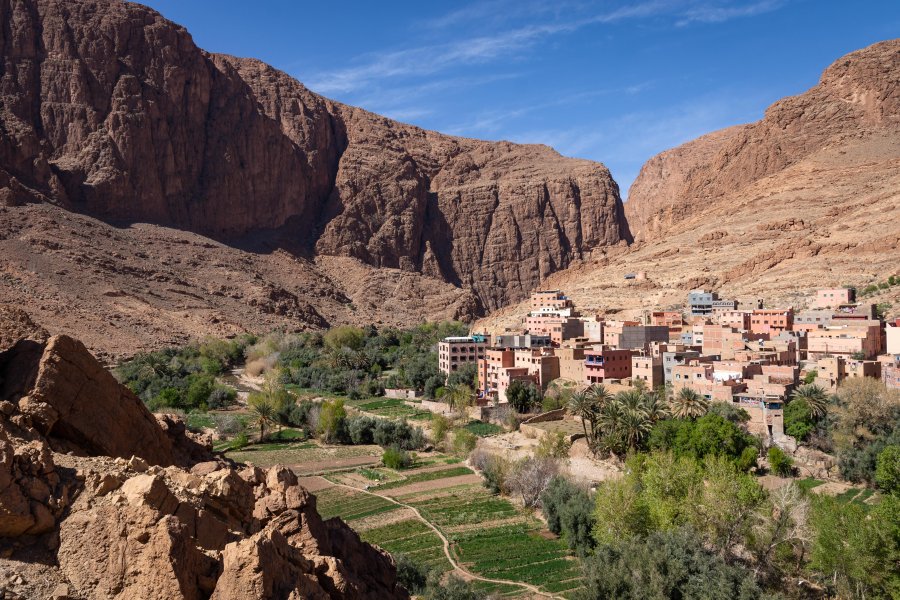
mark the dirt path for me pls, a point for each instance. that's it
(456, 566)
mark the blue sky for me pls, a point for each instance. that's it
(615, 82)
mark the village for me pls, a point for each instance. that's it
(752, 358)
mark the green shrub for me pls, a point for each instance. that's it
(463, 442)
(780, 463)
(553, 445)
(395, 458)
(411, 575)
(240, 441)
(798, 419)
(887, 470)
(439, 427)
(569, 512)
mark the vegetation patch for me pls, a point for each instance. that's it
(420, 477)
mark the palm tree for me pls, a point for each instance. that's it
(688, 404)
(633, 426)
(599, 396)
(656, 407)
(263, 411)
(814, 396)
(582, 406)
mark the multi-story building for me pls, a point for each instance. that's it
(647, 368)
(722, 341)
(834, 297)
(736, 319)
(772, 322)
(571, 363)
(593, 329)
(640, 337)
(521, 340)
(892, 336)
(558, 328)
(490, 368)
(612, 331)
(456, 351)
(808, 320)
(673, 358)
(703, 303)
(605, 363)
(552, 299)
(541, 363)
(860, 339)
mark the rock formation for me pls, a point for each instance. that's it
(111, 111)
(857, 97)
(805, 198)
(98, 500)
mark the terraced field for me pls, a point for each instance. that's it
(413, 538)
(350, 505)
(390, 408)
(489, 536)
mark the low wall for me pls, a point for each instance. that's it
(553, 415)
(441, 408)
(401, 393)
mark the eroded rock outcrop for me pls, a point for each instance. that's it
(99, 500)
(857, 97)
(112, 111)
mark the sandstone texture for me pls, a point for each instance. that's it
(130, 508)
(111, 111)
(808, 197)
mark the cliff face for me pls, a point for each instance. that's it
(808, 197)
(858, 96)
(99, 499)
(112, 111)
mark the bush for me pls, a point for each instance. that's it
(240, 441)
(333, 421)
(495, 470)
(523, 397)
(568, 509)
(439, 427)
(453, 588)
(398, 433)
(395, 458)
(228, 424)
(531, 476)
(463, 442)
(887, 470)
(553, 445)
(297, 415)
(361, 429)
(710, 435)
(798, 419)
(410, 574)
(222, 396)
(780, 463)
(668, 564)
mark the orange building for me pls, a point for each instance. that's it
(772, 322)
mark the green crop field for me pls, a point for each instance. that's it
(350, 505)
(413, 539)
(469, 505)
(482, 429)
(518, 553)
(427, 476)
(391, 408)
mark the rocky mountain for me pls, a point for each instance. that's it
(100, 499)
(809, 196)
(111, 111)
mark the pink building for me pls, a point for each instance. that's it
(552, 299)
(834, 297)
(649, 369)
(860, 338)
(453, 352)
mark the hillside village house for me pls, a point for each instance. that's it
(771, 322)
(834, 297)
(456, 351)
